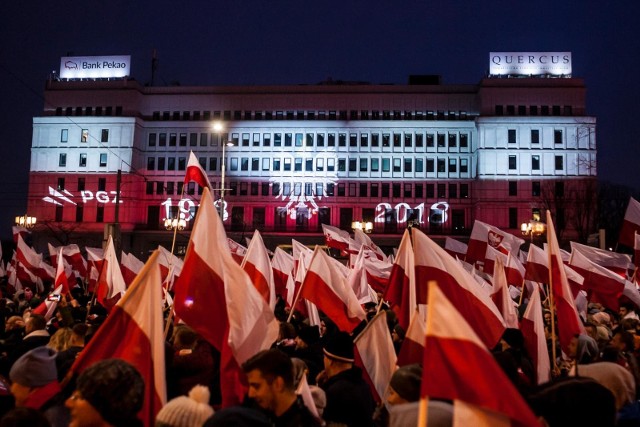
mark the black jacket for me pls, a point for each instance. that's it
(349, 399)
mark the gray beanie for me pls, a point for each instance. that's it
(185, 411)
(35, 368)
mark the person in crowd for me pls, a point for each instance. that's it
(349, 399)
(318, 396)
(75, 345)
(108, 393)
(620, 351)
(13, 333)
(271, 386)
(238, 416)
(397, 336)
(627, 311)
(59, 340)
(309, 350)
(36, 336)
(34, 384)
(24, 417)
(186, 411)
(286, 338)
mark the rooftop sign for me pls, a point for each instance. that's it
(91, 67)
(530, 63)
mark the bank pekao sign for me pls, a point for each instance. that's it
(93, 67)
(530, 63)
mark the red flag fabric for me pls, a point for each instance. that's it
(537, 268)
(433, 263)
(412, 349)
(336, 238)
(502, 298)
(378, 365)
(19, 231)
(459, 367)
(61, 275)
(483, 235)
(535, 341)
(282, 265)
(27, 256)
(326, 287)
(257, 264)
(378, 272)
(130, 267)
(215, 297)
(569, 323)
(133, 331)
(630, 224)
(196, 173)
(110, 286)
(604, 285)
(401, 290)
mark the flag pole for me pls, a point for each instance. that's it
(552, 306)
(522, 293)
(175, 229)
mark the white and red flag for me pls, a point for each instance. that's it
(362, 239)
(326, 287)
(336, 238)
(215, 297)
(378, 365)
(604, 285)
(19, 231)
(620, 264)
(630, 224)
(476, 306)
(378, 272)
(569, 323)
(62, 279)
(72, 255)
(401, 290)
(483, 235)
(412, 349)
(49, 305)
(133, 331)
(455, 248)
(458, 366)
(95, 258)
(170, 267)
(238, 251)
(257, 265)
(130, 266)
(110, 286)
(282, 265)
(196, 173)
(502, 298)
(535, 340)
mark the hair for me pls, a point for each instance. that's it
(185, 336)
(626, 338)
(271, 364)
(37, 322)
(287, 331)
(60, 339)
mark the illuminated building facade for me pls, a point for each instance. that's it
(423, 154)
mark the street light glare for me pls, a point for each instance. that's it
(217, 126)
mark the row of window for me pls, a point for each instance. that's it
(312, 139)
(84, 135)
(535, 136)
(536, 189)
(82, 160)
(102, 184)
(533, 110)
(89, 111)
(535, 162)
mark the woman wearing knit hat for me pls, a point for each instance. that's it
(186, 411)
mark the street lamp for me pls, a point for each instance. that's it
(223, 167)
(175, 224)
(367, 227)
(533, 228)
(26, 221)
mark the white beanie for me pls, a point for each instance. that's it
(186, 411)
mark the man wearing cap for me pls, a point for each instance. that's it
(34, 384)
(349, 399)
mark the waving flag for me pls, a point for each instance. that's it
(604, 285)
(630, 224)
(412, 349)
(111, 284)
(336, 238)
(455, 248)
(282, 265)
(502, 298)
(196, 173)
(535, 340)
(483, 235)
(257, 264)
(401, 290)
(130, 266)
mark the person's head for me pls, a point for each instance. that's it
(397, 334)
(184, 338)
(24, 417)
(14, 322)
(60, 339)
(108, 392)
(33, 370)
(338, 353)
(78, 334)
(35, 322)
(186, 411)
(592, 330)
(308, 335)
(270, 378)
(623, 340)
(404, 386)
(583, 349)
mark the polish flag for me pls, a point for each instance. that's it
(133, 331)
(630, 225)
(19, 232)
(569, 323)
(502, 298)
(170, 267)
(412, 348)
(459, 367)
(196, 173)
(237, 250)
(130, 267)
(620, 264)
(215, 297)
(326, 287)
(535, 341)
(455, 248)
(48, 306)
(282, 265)
(537, 268)
(490, 258)
(631, 291)
(357, 280)
(61, 275)
(361, 238)
(257, 264)
(378, 272)
(27, 256)
(95, 259)
(401, 291)
(483, 235)
(336, 238)
(476, 306)
(379, 365)
(72, 255)
(604, 285)
(111, 285)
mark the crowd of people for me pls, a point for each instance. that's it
(309, 377)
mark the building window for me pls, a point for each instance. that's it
(464, 191)
(430, 140)
(81, 184)
(408, 164)
(535, 162)
(430, 191)
(342, 165)
(362, 192)
(213, 163)
(464, 165)
(159, 187)
(152, 139)
(352, 165)
(419, 140)
(557, 136)
(513, 218)
(162, 141)
(104, 135)
(276, 164)
(535, 188)
(169, 187)
(408, 190)
(151, 163)
(277, 139)
(559, 189)
(442, 166)
(430, 165)
(298, 164)
(265, 164)
(182, 163)
(386, 164)
(419, 165)
(103, 160)
(364, 163)
(62, 160)
(419, 191)
(64, 135)
(512, 163)
(442, 191)
(204, 139)
(453, 165)
(364, 140)
(266, 139)
(171, 163)
(173, 139)
(79, 213)
(331, 140)
(464, 140)
(244, 164)
(83, 160)
(535, 136)
(308, 165)
(287, 164)
(513, 188)
(453, 140)
(331, 164)
(149, 187)
(385, 190)
(193, 139)
(559, 163)
(374, 189)
(441, 142)
(84, 136)
(183, 140)
(408, 141)
(100, 214)
(512, 136)
(396, 190)
(397, 166)
(453, 191)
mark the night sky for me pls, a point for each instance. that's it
(303, 42)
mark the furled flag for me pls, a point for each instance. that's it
(459, 367)
(133, 331)
(215, 297)
(130, 266)
(336, 238)
(569, 323)
(412, 348)
(170, 267)
(401, 290)
(110, 286)
(475, 305)
(326, 287)
(502, 298)
(257, 264)
(378, 365)
(484, 234)
(535, 340)
(631, 223)
(196, 173)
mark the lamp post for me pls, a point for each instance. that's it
(223, 168)
(26, 221)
